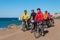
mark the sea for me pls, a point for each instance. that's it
(4, 22)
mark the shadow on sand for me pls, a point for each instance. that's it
(45, 32)
(51, 26)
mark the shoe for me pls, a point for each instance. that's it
(31, 31)
(25, 28)
(42, 34)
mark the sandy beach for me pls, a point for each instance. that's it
(18, 34)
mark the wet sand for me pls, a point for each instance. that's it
(18, 34)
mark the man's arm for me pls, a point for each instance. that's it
(43, 16)
(28, 16)
(35, 17)
(22, 16)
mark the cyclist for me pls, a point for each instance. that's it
(50, 18)
(33, 14)
(39, 18)
(25, 16)
(46, 18)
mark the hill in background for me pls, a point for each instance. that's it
(56, 16)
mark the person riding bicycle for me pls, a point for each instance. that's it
(46, 18)
(46, 15)
(33, 14)
(39, 18)
(25, 16)
(50, 18)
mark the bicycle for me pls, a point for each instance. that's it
(25, 25)
(32, 24)
(39, 30)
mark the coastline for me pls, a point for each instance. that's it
(8, 31)
(18, 34)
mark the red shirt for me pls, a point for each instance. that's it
(39, 16)
(49, 16)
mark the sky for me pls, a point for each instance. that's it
(15, 8)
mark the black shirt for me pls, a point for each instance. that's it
(33, 15)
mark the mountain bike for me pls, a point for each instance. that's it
(39, 30)
(25, 25)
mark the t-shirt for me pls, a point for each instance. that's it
(33, 15)
(45, 16)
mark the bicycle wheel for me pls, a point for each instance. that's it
(37, 33)
(23, 28)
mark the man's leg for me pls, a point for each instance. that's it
(33, 29)
(23, 28)
(42, 28)
(48, 20)
(34, 26)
